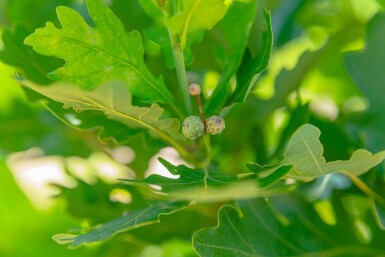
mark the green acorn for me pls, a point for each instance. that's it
(215, 125)
(192, 127)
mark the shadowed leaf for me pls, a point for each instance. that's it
(135, 219)
(288, 227)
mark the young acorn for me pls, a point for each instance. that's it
(215, 125)
(193, 127)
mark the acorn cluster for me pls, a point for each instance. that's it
(194, 127)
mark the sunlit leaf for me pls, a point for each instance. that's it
(97, 54)
(195, 14)
(114, 100)
(155, 10)
(304, 151)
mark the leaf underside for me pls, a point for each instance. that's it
(113, 100)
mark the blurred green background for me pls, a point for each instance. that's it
(321, 31)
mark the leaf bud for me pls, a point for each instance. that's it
(194, 89)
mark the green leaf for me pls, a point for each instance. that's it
(286, 227)
(269, 175)
(299, 116)
(101, 209)
(259, 169)
(274, 177)
(304, 151)
(98, 54)
(252, 67)
(32, 65)
(159, 35)
(187, 178)
(114, 100)
(155, 10)
(108, 131)
(28, 127)
(365, 68)
(133, 220)
(207, 185)
(237, 21)
(248, 71)
(195, 14)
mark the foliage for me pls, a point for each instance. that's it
(284, 230)
(297, 170)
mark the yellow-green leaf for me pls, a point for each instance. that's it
(94, 55)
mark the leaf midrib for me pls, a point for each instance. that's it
(274, 233)
(97, 106)
(318, 165)
(129, 224)
(187, 23)
(228, 249)
(122, 61)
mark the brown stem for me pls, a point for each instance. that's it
(201, 110)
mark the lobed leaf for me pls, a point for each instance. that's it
(135, 219)
(207, 185)
(114, 100)
(187, 178)
(304, 152)
(288, 227)
(98, 54)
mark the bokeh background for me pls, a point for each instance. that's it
(52, 177)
